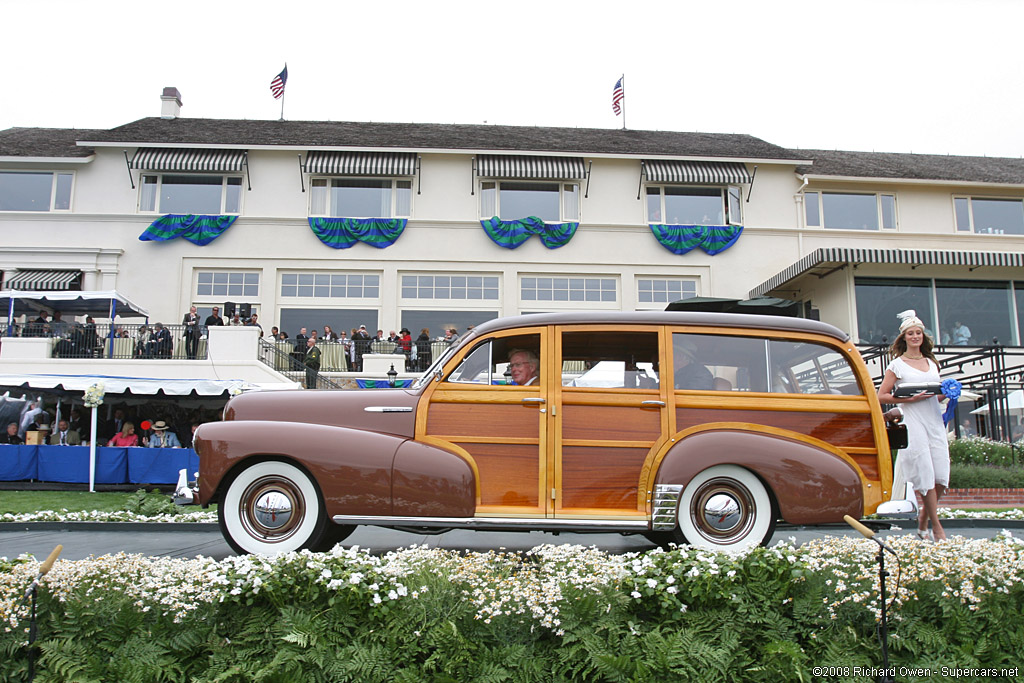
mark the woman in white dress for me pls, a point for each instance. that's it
(925, 462)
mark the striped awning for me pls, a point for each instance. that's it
(696, 172)
(361, 163)
(501, 166)
(43, 280)
(834, 257)
(187, 160)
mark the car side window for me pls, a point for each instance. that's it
(711, 362)
(809, 368)
(610, 359)
(508, 361)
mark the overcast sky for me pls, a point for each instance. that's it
(934, 76)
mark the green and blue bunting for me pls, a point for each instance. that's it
(712, 239)
(382, 384)
(343, 233)
(199, 230)
(511, 234)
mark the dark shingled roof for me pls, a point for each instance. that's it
(913, 166)
(580, 141)
(45, 142)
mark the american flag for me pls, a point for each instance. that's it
(277, 85)
(617, 95)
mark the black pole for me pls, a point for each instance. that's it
(883, 626)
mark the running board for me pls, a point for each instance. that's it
(527, 523)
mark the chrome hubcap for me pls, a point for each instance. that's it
(271, 509)
(722, 511)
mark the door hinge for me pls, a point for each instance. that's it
(553, 494)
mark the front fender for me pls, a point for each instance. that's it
(351, 467)
(812, 484)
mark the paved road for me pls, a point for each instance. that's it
(194, 540)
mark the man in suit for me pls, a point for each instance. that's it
(192, 332)
(65, 436)
(312, 362)
(11, 436)
(160, 342)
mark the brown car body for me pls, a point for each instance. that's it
(482, 454)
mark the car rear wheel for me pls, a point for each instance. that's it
(725, 507)
(274, 507)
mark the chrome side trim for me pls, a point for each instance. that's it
(387, 409)
(665, 506)
(532, 523)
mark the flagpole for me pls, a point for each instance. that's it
(282, 106)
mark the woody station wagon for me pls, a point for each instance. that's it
(699, 428)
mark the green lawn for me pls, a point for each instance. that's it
(19, 502)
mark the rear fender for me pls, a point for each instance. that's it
(812, 482)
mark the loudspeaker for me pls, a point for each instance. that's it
(229, 309)
(245, 311)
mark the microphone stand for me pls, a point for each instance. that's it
(883, 626)
(31, 594)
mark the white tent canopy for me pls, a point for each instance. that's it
(135, 385)
(1014, 404)
(96, 303)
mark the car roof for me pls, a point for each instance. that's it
(735, 320)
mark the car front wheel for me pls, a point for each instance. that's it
(274, 507)
(725, 507)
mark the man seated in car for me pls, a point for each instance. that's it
(689, 374)
(524, 365)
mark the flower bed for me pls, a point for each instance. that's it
(555, 613)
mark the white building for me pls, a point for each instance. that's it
(854, 237)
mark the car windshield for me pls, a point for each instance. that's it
(438, 362)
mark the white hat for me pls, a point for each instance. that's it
(908, 319)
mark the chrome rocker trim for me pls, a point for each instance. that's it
(526, 523)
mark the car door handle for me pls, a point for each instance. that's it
(659, 404)
(533, 399)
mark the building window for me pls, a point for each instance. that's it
(568, 289)
(360, 197)
(663, 290)
(965, 312)
(511, 200)
(848, 211)
(481, 287)
(195, 194)
(675, 205)
(331, 285)
(221, 283)
(35, 191)
(989, 216)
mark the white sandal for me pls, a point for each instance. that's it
(926, 535)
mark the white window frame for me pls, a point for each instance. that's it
(539, 304)
(818, 196)
(213, 297)
(53, 190)
(224, 177)
(564, 216)
(327, 180)
(970, 213)
(731, 196)
(431, 303)
(319, 300)
(660, 305)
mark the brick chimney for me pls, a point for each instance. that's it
(170, 104)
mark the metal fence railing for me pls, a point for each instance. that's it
(78, 340)
(288, 360)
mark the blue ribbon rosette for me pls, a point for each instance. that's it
(951, 390)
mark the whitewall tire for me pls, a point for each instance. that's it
(725, 507)
(274, 507)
